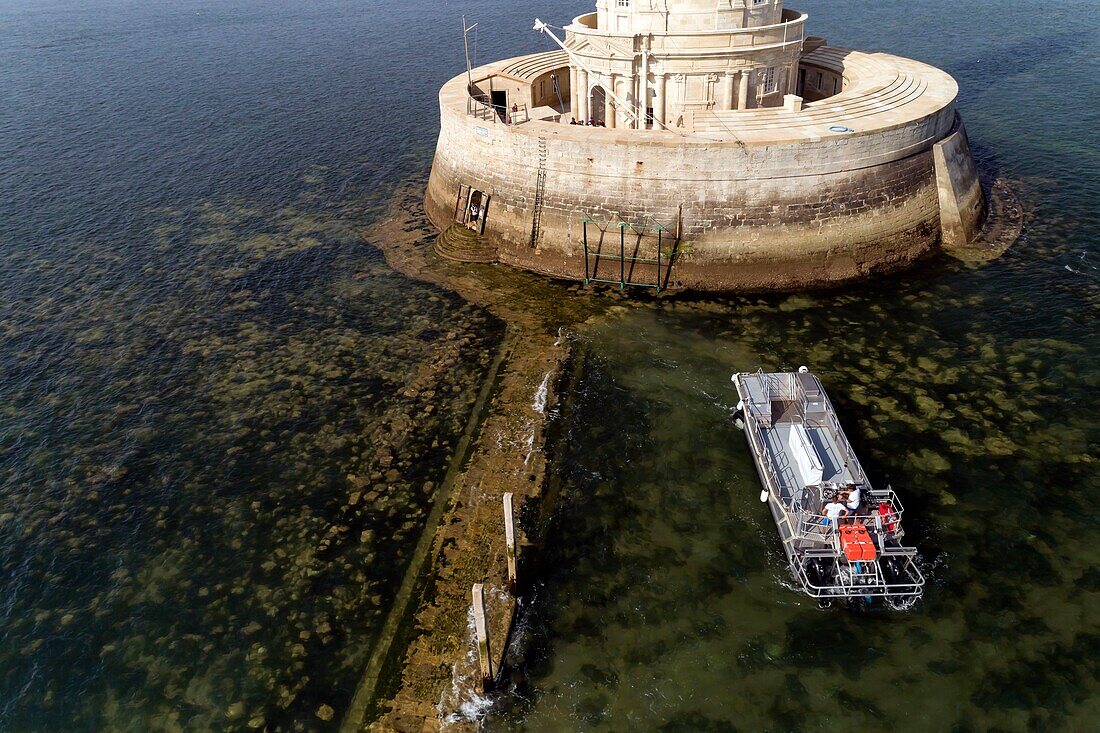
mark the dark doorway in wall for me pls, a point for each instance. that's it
(801, 81)
(648, 118)
(499, 98)
(596, 105)
(477, 206)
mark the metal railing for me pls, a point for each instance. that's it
(482, 110)
(894, 573)
(850, 460)
(814, 526)
(789, 31)
(762, 458)
(639, 229)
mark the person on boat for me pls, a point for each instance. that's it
(852, 498)
(833, 511)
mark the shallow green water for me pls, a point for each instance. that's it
(662, 602)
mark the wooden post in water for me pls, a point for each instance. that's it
(658, 258)
(510, 541)
(481, 627)
(622, 256)
(584, 224)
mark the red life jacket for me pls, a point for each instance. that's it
(887, 513)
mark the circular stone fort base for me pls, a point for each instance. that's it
(804, 195)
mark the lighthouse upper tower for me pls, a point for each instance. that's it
(646, 63)
(664, 16)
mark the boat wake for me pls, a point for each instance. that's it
(900, 603)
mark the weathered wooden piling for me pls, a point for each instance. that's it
(510, 542)
(481, 628)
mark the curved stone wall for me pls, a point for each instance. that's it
(763, 200)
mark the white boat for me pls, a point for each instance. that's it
(804, 461)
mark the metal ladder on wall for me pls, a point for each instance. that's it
(540, 187)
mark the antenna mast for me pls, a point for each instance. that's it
(466, 47)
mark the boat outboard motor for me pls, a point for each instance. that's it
(893, 570)
(816, 571)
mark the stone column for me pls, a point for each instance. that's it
(659, 100)
(609, 104)
(729, 98)
(743, 90)
(635, 102)
(574, 104)
(643, 91)
(582, 95)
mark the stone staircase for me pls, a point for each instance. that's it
(461, 244)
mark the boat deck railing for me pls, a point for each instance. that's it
(894, 573)
(813, 526)
(759, 404)
(770, 484)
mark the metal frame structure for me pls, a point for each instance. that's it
(640, 229)
(462, 205)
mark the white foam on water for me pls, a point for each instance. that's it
(539, 405)
(470, 711)
(461, 702)
(530, 448)
(900, 603)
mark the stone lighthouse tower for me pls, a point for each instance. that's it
(643, 64)
(705, 144)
